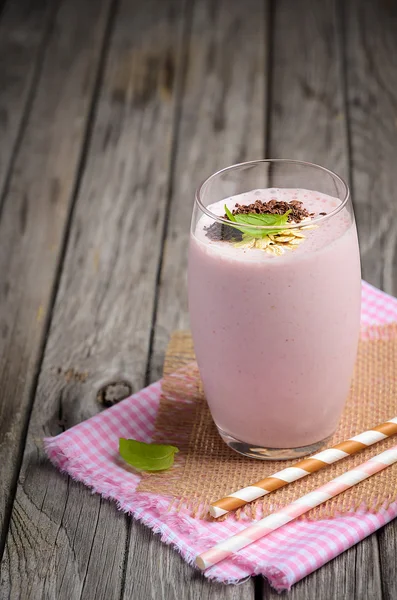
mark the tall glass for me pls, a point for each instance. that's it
(275, 322)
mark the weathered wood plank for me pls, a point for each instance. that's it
(35, 213)
(167, 576)
(101, 323)
(308, 122)
(221, 122)
(387, 539)
(369, 580)
(306, 119)
(23, 35)
(371, 46)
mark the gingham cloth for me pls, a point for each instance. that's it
(89, 453)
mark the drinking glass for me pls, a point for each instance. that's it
(275, 334)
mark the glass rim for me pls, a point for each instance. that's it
(315, 220)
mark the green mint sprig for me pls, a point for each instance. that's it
(242, 222)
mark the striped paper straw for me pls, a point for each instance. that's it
(295, 509)
(303, 468)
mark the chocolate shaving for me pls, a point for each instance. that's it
(274, 207)
(218, 232)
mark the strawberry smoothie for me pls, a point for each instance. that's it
(276, 335)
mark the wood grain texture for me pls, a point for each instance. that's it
(102, 316)
(159, 572)
(371, 46)
(35, 213)
(23, 35)
(387, 539)
(306, 113)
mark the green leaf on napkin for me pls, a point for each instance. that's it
(259, 220)
(147, 457)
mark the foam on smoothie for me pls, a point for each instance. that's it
(328, 230)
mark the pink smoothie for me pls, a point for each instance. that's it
(276, 336)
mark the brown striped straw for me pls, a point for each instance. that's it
(303, 468)
(302, 505)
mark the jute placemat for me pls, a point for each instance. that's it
(206, 469)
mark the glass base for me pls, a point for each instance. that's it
(270, 453)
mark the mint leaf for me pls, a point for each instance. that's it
(147, 457)
(230, 215)
(261, 220)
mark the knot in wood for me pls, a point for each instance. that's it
(113, 392)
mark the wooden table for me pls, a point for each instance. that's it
(111, 112)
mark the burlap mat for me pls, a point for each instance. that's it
(206, 469)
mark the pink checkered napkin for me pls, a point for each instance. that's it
(89, 453)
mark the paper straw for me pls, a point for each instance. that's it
(295, 509)
(303, 468)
